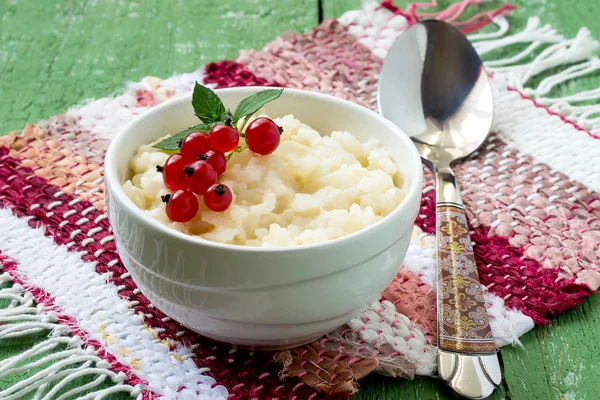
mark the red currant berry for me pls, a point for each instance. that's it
(199, 176)
(194, 144)
(223, 138)
(263, 136)
(182, 205)
(218, 197)
(172, 171)
(216, 160)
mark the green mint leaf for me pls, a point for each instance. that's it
(172, 143)
(207, 105)
(253, 103)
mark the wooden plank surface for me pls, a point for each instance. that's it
(54, 53)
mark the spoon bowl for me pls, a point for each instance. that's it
(434, 71)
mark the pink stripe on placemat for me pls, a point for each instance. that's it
(64, 167)
(326, 60)
(415, 299)
(78, 225)
(554, 219)
(522, 282)
(11, 267)
(79, 141)
(550, 218)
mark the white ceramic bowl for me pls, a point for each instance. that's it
(253, 297)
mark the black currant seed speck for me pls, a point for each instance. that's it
(189, 171)
(203, 157)
(165, 198)
(220, 190)
(159, 168)
(228, 121)
(280, 129)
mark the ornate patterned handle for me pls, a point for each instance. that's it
(463, 324)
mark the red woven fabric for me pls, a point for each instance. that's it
(246, 375)
(227, 73)
(522, 282)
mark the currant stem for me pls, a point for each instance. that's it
(238, 149)
(241, 130)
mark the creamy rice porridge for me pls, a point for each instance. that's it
(311, 189)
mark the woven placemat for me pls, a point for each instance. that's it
(530, 194)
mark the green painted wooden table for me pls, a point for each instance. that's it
(54, 53)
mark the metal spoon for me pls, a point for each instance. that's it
(434, 87)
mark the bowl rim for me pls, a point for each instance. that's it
(114, 187)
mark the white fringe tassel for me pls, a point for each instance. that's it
(60, 368)
(549, 50)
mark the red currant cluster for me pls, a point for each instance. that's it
(201, 160)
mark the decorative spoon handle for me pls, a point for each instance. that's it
(467, 360)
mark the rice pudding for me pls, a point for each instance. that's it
(311, 189)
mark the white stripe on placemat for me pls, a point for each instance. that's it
(87, 296)
(106, 116)
(50, 364)
(527, 127)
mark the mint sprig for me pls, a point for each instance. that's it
(209, 108)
